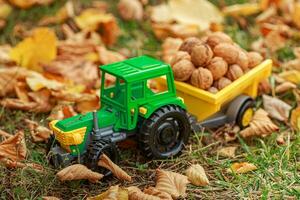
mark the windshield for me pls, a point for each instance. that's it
(113, 89)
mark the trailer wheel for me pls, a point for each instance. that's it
(96, 149)
(245, 115)
(165, 132)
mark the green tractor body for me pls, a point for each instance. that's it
(128, 106)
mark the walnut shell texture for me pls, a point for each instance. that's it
(213, 90)
(201, 55)
(243, 60)
(180, 55)
(183, 70)
(216, 38)
(234, 72)
(228, 52)
(189, 43)
(222, 83)
(202, 78)
(254, 59)
(218, 67)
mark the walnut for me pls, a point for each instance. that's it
(218, 67)
(254, 59)
(130, 9)
(234, 72)
(180, 55)
(228, 52)
(183, 70)
(222, 82)
(202, 78)
(213, 90)
(243, 60)
(201, 55)
(189, 43)
(218, 37)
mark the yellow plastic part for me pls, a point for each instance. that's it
(246, 119)
(203, 104)
(143, 110)
(67, 138)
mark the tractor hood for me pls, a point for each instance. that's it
(105, 118)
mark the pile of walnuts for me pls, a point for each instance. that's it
(212, 62)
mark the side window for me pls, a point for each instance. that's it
(152, 86)
(137, 90)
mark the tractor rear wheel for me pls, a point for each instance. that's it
(96, 149)
(165, 132)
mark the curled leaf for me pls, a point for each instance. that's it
(113, 193)
(227, 152)
(14, 148)
(5, 134)
(283, 87)
(155, 192)
(171, 182)
(136, 194)
(105, 162)
(276, 108)
(131, 9)
(291, 75)
(242, 167)
(37, 81)
(242, 9)
(62, 111)
(78, 172)
(196, 175)
(261, 125)
(49, 198)
(38, 133)
(16, 164)
(295, 119)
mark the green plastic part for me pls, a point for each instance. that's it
(128, 100)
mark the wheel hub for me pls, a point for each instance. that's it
(167, 133)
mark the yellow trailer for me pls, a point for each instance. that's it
(231, 104)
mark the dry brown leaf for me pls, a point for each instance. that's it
(155, 192)
(29, 3)
(261, 125)
(163, 31)
(131, 9)
(274, 41)
(113, 193)
(196, 175)
(295, 119)
(5, 134)
(241, 168)
(62, 111)
(37, 81)
(39, 133)
(241, 9)
(291, 75)
(276, 108)
(105, 162)
(171, 182)
(107, 57)
(283, 87)
(42, 100)
(18, 104)
(49, 198)
(15, 164)
(161, 14)
(169, 48)
(14, 148)
(136, 194)
(228, 152)
(78, 172)
(21, 91)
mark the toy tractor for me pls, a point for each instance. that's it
(129, 107)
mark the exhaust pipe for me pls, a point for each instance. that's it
(96, 131)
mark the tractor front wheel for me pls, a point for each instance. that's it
(165, 132)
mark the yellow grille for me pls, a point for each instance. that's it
(67, 138)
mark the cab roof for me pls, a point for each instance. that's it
(137, 68)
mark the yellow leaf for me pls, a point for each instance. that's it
(296, 14)
(243, 167)
(196, 175)
(285, 86)
(227, 152)
(29, 3)
(113, 193)
(242, 9)
(295, 118)
(291, 75)
(37, 49)
(36, 82)
(5, 10)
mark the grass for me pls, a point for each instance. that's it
(277, 176)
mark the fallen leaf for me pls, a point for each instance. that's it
(169, 48)
(291, 75)
(29, 3)
(228, 152)
(37, 49)
(107, 57)
(292, 65)
(62, 111)
(155, 192)
(196, 175)
(18, 104)
(37, 81)
(49, 198)
(21, 91)
(161, 14)
(39, 133)
(295, 119)
(131, 9)
(284, 87)
(14, 148)
(261, 125)
(16, 164)
(245, 9)
(136, 194)
(42, 100)
(4, 55)
(105, 162)
(243, 167)
(296, 14)
(5, 134)
(163, 31)
(280, 139)
(274, 41)
(171, 182)
(78, 172)
(276, 108)
(113, 193)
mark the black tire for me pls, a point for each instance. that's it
(96, 149)
(165, 132)
(52, 142)
(239, 120)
